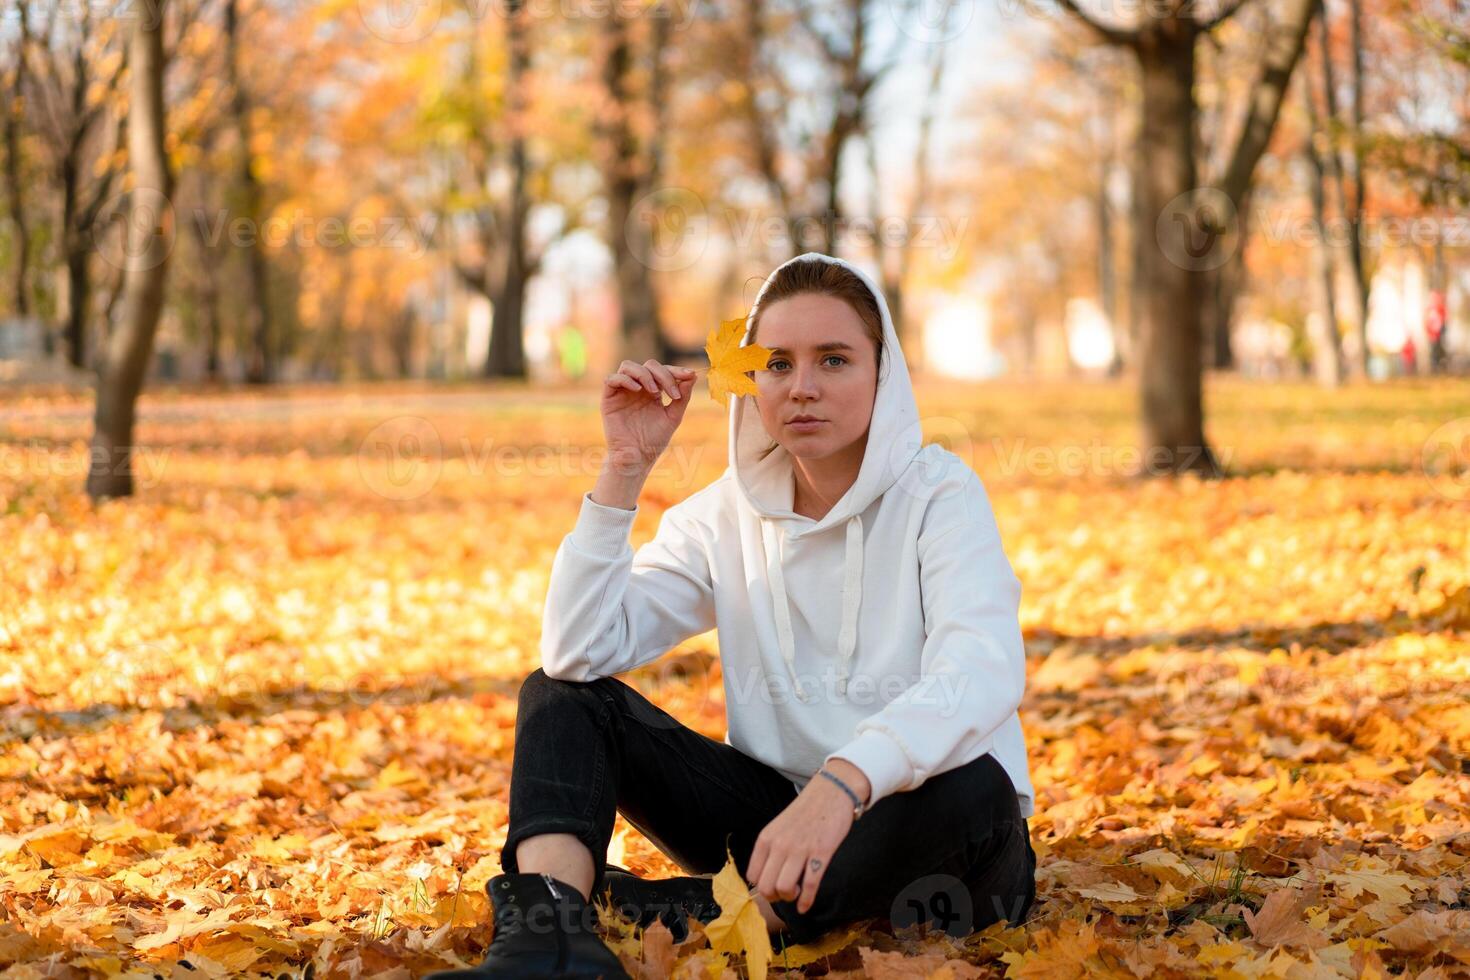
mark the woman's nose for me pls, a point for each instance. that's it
(804, 382)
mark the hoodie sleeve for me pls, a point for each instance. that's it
(609, 610)
(973, 666)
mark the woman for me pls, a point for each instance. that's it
(873, 665)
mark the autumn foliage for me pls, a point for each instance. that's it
(259, 720)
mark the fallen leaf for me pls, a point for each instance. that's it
(739, 928)
(1281, 921)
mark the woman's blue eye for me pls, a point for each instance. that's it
(771, 365)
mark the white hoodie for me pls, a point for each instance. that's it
(911, 666)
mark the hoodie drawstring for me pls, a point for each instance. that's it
(852, 597)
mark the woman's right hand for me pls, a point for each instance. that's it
(635, 421)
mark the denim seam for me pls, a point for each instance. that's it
(599, 764)
(662, 735)
(705, 774)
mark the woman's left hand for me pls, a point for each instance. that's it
(792, 851)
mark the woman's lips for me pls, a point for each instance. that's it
(807, 425)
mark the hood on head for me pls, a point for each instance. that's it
(767, 485)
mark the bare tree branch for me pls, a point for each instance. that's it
(1222, 15)
(1282, 53)
(1123, 36)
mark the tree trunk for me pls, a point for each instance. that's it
(1348, 264)
(1140, 235)
(78, 249)
(402, 338)
(1327, 364)
(78, 296)
(206, 288)
(1228, 284)
(1283, 49)
(329, 351)
(208, 298)
(20, 289)
(1107, 279)
(1358, 282)
(506, 357)
(626, 166)
(213, 330)
(1215, 315)
(1170, 370)
(85, 180)
(73, 238)
(260, 361)
(124, 360)
(1177, 226)
(1223, 287)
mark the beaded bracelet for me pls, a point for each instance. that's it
(857, 804)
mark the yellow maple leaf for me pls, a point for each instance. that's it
(728, 361)
(1393, 887)
(739, 927)
(794, 957)
(1282, 921)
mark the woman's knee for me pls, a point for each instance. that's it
(978, 793)
(538, 685)
(1002, 876)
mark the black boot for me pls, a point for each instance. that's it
(670, 900)
(543, 931)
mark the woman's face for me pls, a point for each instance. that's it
(836, 385)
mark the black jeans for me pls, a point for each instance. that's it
(954, 852)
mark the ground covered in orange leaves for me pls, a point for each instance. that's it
(259, 719)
